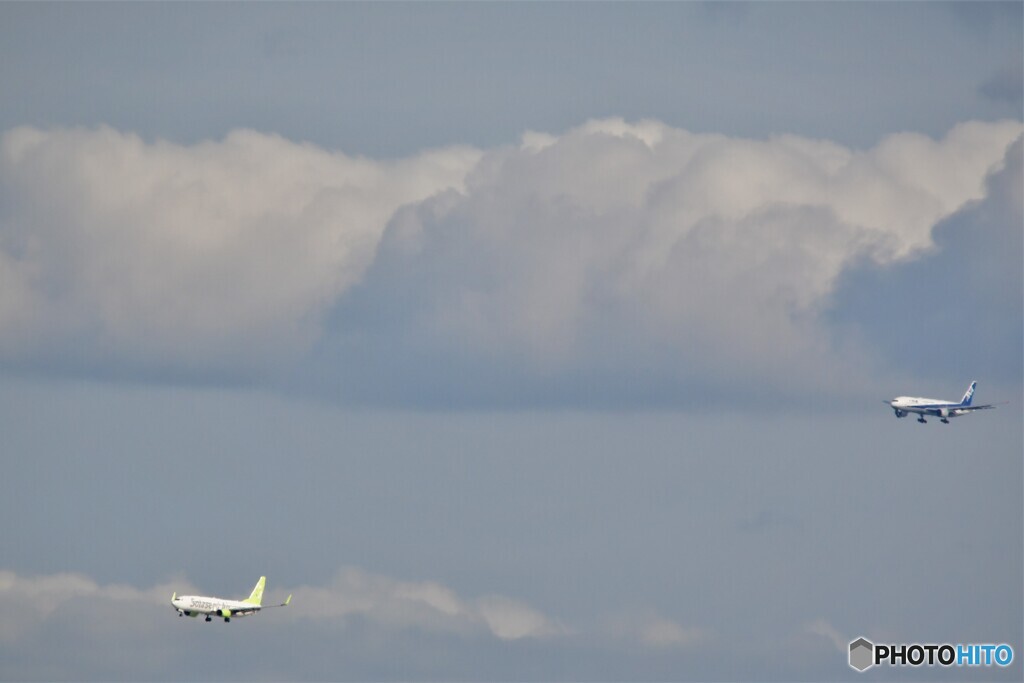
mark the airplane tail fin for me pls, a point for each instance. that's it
(969, 395)
(257, 593)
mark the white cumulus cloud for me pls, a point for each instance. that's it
(220, 253)
(676, 255)
(624, 249)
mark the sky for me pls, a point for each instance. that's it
(518, 341)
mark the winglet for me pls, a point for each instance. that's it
(174, 596)
(287, 600)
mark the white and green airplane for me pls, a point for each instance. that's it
(194, 605)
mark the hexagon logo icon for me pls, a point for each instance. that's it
(862, 654)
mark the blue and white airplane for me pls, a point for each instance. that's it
(904, 405)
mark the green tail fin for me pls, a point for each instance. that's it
(257, 593)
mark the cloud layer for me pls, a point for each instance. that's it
(634, 256)
(50, 623)
(425, 605)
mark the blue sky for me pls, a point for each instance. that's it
(393, 80)
(518, 341)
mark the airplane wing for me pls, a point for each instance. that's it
(967, 409)
(958, 410)
(244, 612)
(283, 604)
(254, 610)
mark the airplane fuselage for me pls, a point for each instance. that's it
(904, 405)
(194, 605)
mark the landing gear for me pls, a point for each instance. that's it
(922, 420)
(944, 421)
(209, 618)
(227, 619)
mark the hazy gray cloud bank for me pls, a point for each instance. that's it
(621, 254)
(49, 623)
(427, 605)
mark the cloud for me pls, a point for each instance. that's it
(614, 263)
(642, 262)
(654, 631)
(221, 255)
(511, 620)
(973, 269)
(423, 605)
(821, 627)
(70, 627)
(395, 605)
(30, 601)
